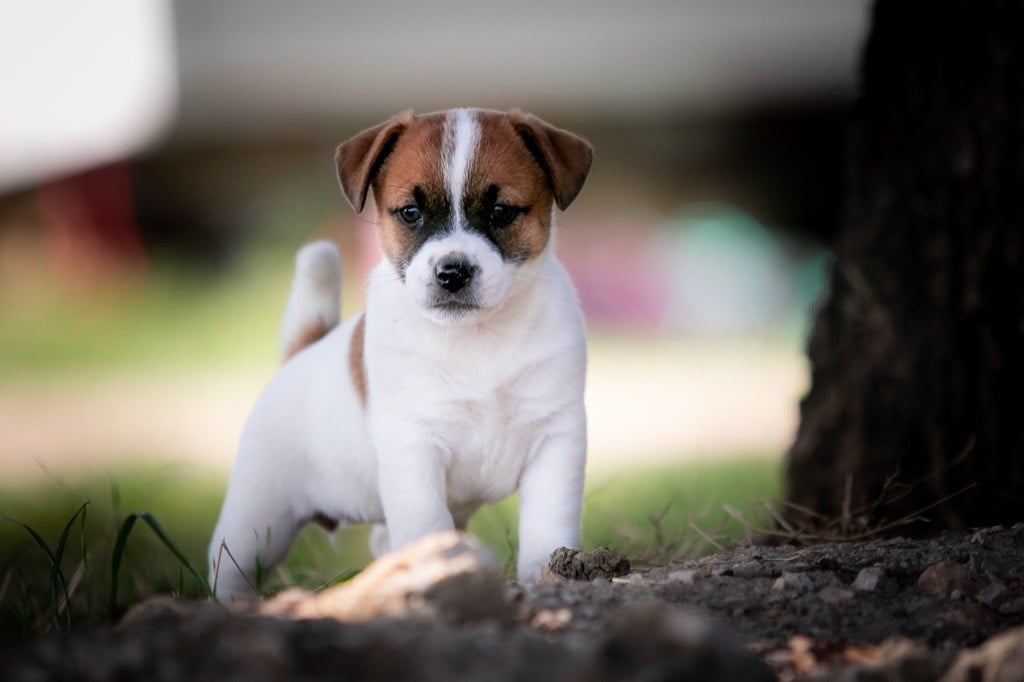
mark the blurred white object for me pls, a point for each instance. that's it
(82, 83)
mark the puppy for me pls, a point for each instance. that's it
(463, 380)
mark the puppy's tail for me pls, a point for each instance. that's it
(314, 303)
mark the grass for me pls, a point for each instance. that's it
(167, 318)
(72, 555)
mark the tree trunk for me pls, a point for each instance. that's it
(917, 352)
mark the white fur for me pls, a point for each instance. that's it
(491, 286)
(461, 413)
(462, 133)
(316, 291)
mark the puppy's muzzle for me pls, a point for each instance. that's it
(454, 273)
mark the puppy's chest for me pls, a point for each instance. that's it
(486, 442)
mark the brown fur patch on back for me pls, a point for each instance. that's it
(356, 363)
(502, 160)
(308, 335)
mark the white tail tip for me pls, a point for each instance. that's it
(314, 304)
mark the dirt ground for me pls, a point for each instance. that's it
(948, 608)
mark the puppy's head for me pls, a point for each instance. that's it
(464, 201)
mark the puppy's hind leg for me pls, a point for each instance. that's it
(255, 530)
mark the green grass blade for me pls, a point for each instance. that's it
(56, 575)
(342, 577)
(35, 536)
(122, 539)
(84, 551)
(115, 559)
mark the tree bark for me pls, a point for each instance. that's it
(917, 351)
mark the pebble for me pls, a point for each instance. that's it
(943, 578)
(992, 594)
(686, 577)
(551, 619)
(868, 579)
(793, 582)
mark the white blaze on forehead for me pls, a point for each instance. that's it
(461, 135)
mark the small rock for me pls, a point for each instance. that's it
(868, 579)
(971, 616)
(449, 575)
(799, 583)
(1013, 606)
(686, 576)
(982, 534)
(835, 595)
(551, 619)
(943, 578)
(599, 563)
(992, 594)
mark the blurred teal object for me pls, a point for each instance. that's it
(727, 273)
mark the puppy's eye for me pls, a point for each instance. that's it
(502, 215)
(410, 215)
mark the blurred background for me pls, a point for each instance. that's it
(161, 161)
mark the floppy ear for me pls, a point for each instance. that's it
(360, 158)
(564, 157)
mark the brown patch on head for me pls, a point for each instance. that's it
(308, 335)
(504, 172)
(524, 164)
(356, 362)
(413, 175)
(401, 160)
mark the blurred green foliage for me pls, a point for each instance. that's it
(166, 317)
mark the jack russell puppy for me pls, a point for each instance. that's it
(463, 380)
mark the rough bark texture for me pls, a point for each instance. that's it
(918, 351)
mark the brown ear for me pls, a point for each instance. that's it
(361, 157)
(564, 157)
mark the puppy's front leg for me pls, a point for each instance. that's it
(551, 494)
(413, 491)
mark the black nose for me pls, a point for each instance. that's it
(454, 273)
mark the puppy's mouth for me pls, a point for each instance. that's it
(447, 306)
(455, 306)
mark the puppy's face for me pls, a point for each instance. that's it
(464, 201)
